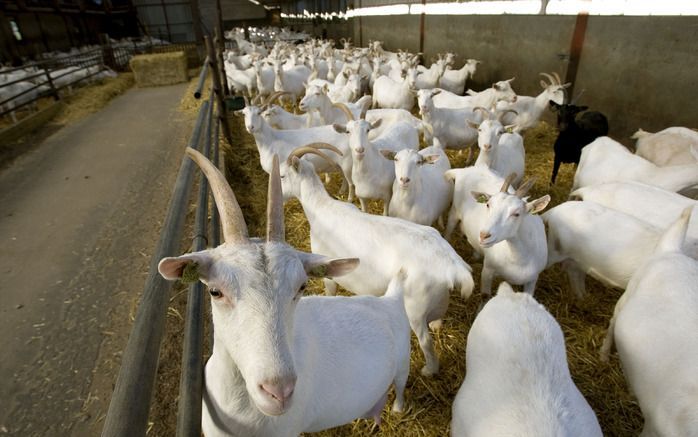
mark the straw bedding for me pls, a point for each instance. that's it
(429, 399)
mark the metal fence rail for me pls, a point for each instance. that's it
(130, 403)
(79, 67)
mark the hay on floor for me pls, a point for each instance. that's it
(429, 400)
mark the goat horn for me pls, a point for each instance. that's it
(362, 116)
(507, 182)
(312, 149)
(345, 109)
(501, 113)
(525, 187)
(485, 112)
(326, 146)
(549, 77)
(557, 77)
(275, 96)
(247, 101)
(232, 221)
(275, 204)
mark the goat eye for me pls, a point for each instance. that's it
(300, 291)
(487, 205)
(215, 293)
(516, 214)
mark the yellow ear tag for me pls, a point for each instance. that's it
(481, 198)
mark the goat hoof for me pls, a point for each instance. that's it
(426, 371)
(436, 325)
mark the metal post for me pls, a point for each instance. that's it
(54, 91)
(223, 112)
(130, 402)
(167, 21)
(198, 31)
(192, 378)
(219, 46)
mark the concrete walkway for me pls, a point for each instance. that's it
(79, 217)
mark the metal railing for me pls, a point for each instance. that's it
(130, 402)
(57, 73)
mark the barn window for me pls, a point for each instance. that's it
(15, 30)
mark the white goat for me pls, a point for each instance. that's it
(272, 142)
(454, 80)
(421, 194)
(605, 160)
(264, 75)
(279, 118)
(387, 93)
(671, 146)
(517, 380)
(528, 110)
(512, 238)
(241, 81)
(448, 125)
(654, 326)
(384, 244)
(372, 174)
(487, 98)
(292, 80)
(347, 92)
(317, 99)
(501, 151)
(282, 363)
(609, 245)
(12, 92)
(429, 78)
(465, 209)
(654, 205)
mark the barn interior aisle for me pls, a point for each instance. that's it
(80, 215)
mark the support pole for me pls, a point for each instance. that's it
(215, 75)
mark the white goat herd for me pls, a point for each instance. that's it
(284, 363)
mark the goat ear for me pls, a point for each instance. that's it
(480, 197)
(543, 85)
(538, 205)
(472, 124)
(430, 159)
(583, 108)
(388, 154)
(189, 267)
(376, 123)
(339, 128)
(320, 266)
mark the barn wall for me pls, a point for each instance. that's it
(640, 71)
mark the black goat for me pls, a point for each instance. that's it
(575, 134)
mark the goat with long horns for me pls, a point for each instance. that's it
(283, 364)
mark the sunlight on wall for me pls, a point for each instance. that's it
(521, 7)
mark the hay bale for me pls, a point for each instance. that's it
(160, 69)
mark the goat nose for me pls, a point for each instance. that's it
(359, 150)
(405, 180)
(487, 146)
(280, 390)
(484, 235)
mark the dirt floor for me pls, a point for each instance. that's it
(429, 399)
(81, 212)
